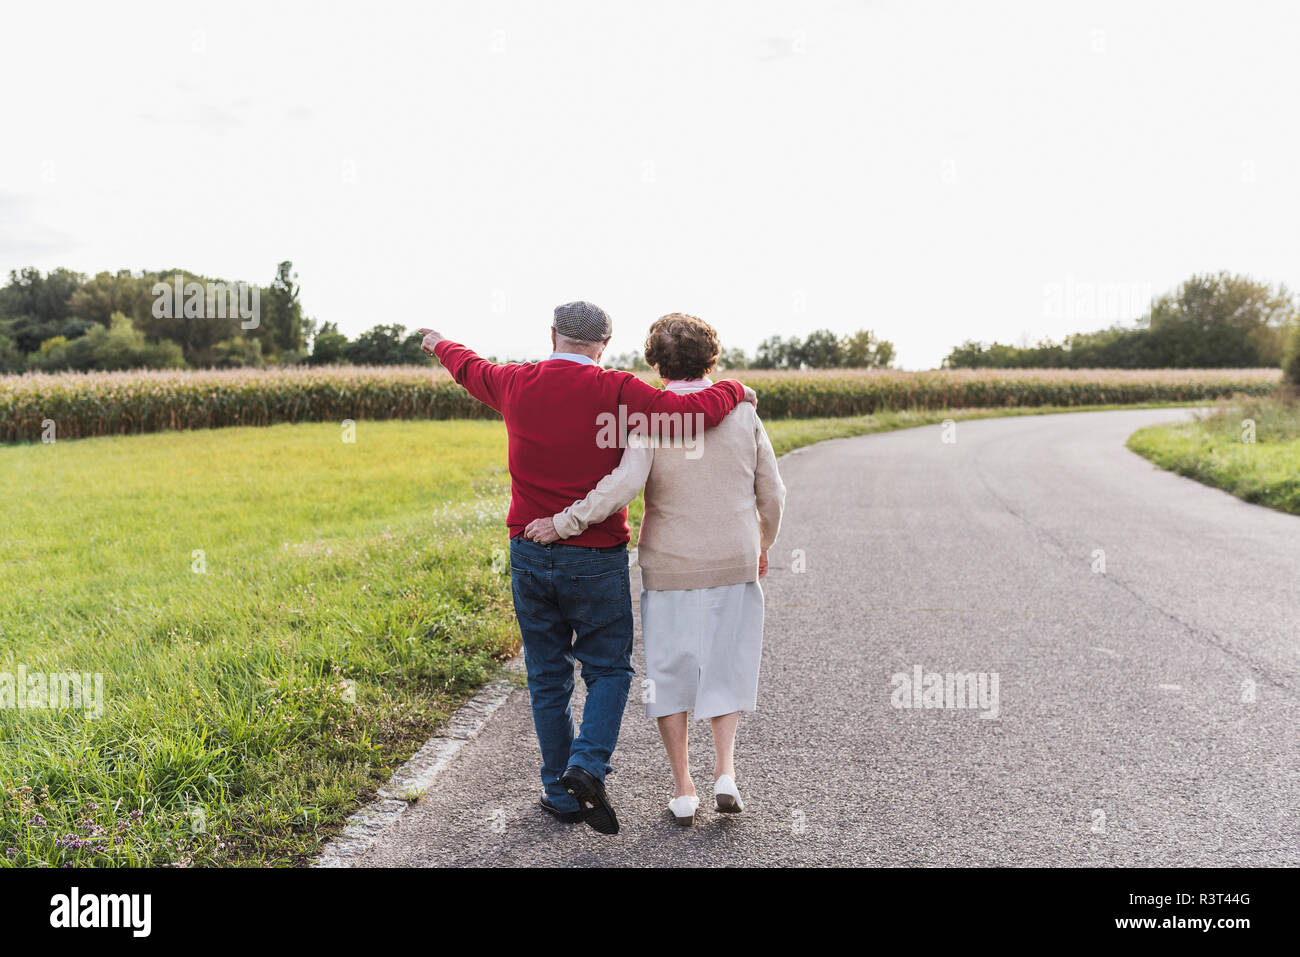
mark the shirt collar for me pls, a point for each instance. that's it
(574, 357)
(688, 385)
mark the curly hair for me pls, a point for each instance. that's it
(682, 347)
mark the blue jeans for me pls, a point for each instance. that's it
(574, 603)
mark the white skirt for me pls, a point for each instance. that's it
(702, 649)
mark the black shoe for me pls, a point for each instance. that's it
(568, 817)
(596, 811)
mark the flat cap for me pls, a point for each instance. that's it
(583, 321)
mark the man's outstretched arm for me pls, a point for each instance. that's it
(485, 381)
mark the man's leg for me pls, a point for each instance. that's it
(548, 658)
(595, 596)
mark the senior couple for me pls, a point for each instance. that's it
(713, 506)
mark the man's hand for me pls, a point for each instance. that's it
(542, 531)
(750, 396)
(431, 339)
(762, 563)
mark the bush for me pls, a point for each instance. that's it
(329, 347)
(238, 353)
(1210, 321)
(1291, 359)
(1273, 418)
(387, 345)
(11, 360)
(120, 346)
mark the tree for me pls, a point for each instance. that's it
(238, 352)
(97, 298)
(733, 359)
(821, 350)
(1291, 357)
(1221, 320)
(776, 353)
(42, 298)
(196, 335)
(28, 332)
(119, 346)
(387, 345)
(629, 361)
(34, 307)
(330, 346)
(1210, 321)
(281, 323)
(862, 350)
(11, 360)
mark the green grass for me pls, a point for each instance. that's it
(1216, 450)
(352, 595)
(225, 691)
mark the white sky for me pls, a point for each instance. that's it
(933, 171)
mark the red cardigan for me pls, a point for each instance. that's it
(553, 411)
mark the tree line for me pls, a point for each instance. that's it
(65, 320)
(1210, 321)
(822, 349)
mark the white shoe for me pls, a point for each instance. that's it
(683, 808)
(726, 797)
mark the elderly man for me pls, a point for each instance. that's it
(573, 598)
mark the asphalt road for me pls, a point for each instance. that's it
(1146, 711)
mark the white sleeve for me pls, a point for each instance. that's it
(612, 493)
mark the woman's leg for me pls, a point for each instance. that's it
(724, 744)
(672, 728)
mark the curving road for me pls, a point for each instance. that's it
(1146, 706)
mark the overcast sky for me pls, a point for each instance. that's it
(932, 171)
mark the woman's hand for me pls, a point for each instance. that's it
(762, 563)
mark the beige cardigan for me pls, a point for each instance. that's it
(709, 510)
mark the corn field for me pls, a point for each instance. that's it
(113, 403)
(834, 392)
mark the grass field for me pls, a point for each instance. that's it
(1249, 447)
(225, 689)
(345, 599)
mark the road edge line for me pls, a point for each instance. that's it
(364, 829)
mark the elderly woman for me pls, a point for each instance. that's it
(713, 504)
